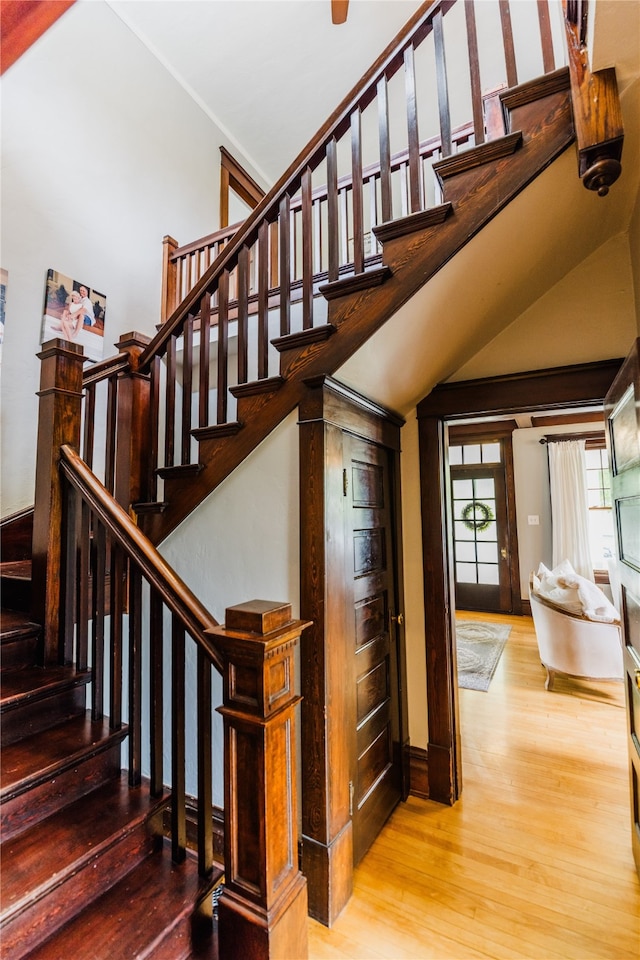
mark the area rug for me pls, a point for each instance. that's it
(480, 646)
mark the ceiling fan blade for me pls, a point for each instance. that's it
(339, 10)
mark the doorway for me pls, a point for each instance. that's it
(577, 386)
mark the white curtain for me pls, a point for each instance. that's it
(569, 505)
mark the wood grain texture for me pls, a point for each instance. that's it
(534, 862)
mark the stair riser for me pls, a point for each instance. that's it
(22, 811)
(39, 715)
(19, 652)
(55, 907)
(16, 594)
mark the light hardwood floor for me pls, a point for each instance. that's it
(534, 861)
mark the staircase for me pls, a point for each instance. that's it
(96, 862)
(84, 870)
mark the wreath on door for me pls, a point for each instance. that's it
(477, 515)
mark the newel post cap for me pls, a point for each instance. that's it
(256, 643)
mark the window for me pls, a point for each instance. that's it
(601, 530)
(475, 453)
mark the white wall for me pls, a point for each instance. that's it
(242, 543)
(531, 478)
(102, 155)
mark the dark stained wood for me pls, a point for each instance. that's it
(170, 403)
(173, 900)
(205, 839)
(386, 210)
(583, 384)
(412, 259)
(110, 433)
(578, 385)
(178, 746)
(156, 693)
(285, 264)
(474, 71)
(566, 418)
(58, 423)
(507, 39)
(263, 301)
(597, 114)
(419, 766)
(548, 60)
(329, 412)
(187, 381)
(234, 177)
(356, 192)
(307, 250)
(445, 761)
(34, 699)
(169, 298)
(443, 92)
(18, 640)
(118, 573)
(23, 22)
(262, 912)
(16, 534)
(133, 451)
(413, 133)
(501, 431)
(204, 353)
(135, 677)
(243, 316)
(223, 347)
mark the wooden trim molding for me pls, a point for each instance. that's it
(419, 772)
(579, 385)
(22, 22)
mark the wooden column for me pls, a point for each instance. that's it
(444, 756)
(262, 913)
(134, 441)
(59, 416)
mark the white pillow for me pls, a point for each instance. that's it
(575, 594)
(559, 587)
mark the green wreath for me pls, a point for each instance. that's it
(470, 516)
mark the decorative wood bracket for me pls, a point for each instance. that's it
(596, 111)
(262, 912)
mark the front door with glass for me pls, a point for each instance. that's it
(480, 528)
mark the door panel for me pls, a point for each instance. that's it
(480, 538)
(622, 412)
(376, 764)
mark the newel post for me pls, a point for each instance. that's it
(262, 912)
(169, 292)
(134, 436)
(59, 422)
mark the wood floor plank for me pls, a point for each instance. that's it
(534, 862)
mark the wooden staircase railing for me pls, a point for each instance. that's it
(122, 638)
(253, 299)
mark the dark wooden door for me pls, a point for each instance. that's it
(622, 412)
(376, 765)
(481, 538)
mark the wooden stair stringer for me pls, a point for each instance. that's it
(478, 193)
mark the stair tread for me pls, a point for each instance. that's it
(46, 853)
(15, 623)
(130, 919)
(18, 569)
(46, 755)
(30, 683)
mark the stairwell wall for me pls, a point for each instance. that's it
(103, 153)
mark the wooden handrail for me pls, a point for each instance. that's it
(104, 369)
(174, 592)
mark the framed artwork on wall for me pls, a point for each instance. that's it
(74, 311)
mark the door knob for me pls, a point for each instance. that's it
(503, 553)
(399, 619)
